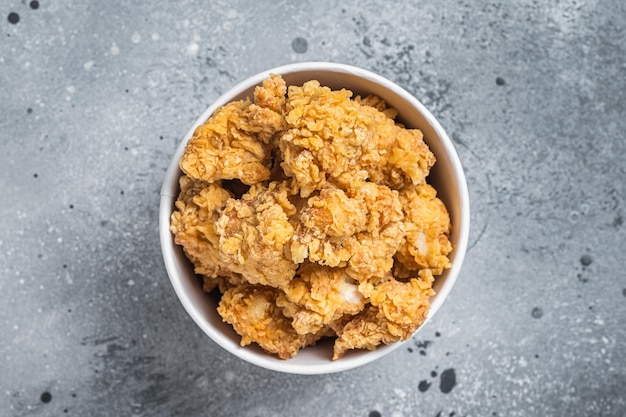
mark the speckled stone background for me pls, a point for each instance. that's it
(95, 97)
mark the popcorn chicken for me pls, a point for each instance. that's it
(427, 226)
(318, 296)
(395, 311)
(254, 233)
(310, 213)
(234, 143)
(331, 139)
(253, 312)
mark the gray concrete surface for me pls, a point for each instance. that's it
(96, 96)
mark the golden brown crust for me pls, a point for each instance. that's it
(253, 312)
(234, 142)
(193, 224)
(318, 296)
(397, 309)
(311, 215)
(255, 233)
(360, 229)
(427, 226)
(334, 140)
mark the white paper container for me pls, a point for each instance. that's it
(446, 176)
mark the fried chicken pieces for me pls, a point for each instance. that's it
(309, 211)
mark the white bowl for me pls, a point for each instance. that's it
(446, 176)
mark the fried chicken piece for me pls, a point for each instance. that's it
(318, 296)
(372, 256)
(254, 235)
(404, 304)
(361, 332)
(192, 223)
(253, 313)
(360, 228)
(427, 226)
(377, 103)
(334, 140)
(372, 251)
(397, 309)
(328, 221)
(271, 94)
(235, 141)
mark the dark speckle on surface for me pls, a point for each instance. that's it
(500, 81)
(46, 397)
(433, 374)
(13, 18)
(423, 344)
(29, 110)
(423, 385)
(447, 381)
(300, 45)
(624, 292)
(34, 4)
(586, 260)
(374, 413)
(536, 313)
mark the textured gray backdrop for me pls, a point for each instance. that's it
(95, 97)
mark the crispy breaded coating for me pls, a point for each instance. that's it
(310, 213)
(361, 229)
(427, 226)
(372, 250)
(328, 221)
(253, 313)
(377, 103)
(271, 94)
(193, 224)
(234, 142)
(404, 305)
(319, 295)
(255, 232)
(397, 309)
(363, 331)
(334, 140)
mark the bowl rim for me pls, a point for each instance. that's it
(169, 190)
